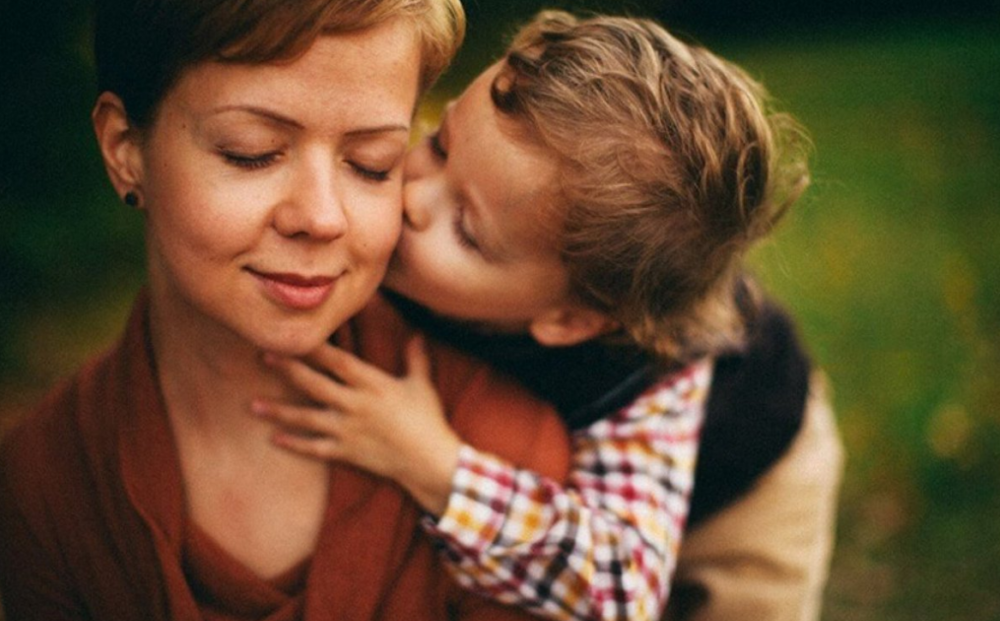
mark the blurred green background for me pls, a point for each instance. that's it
(891, 262)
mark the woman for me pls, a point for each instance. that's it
(263, 143)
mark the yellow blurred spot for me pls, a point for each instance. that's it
(531, 523)
(959, 284)
(837, 265)
(949, 431)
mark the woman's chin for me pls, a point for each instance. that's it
(293, 344)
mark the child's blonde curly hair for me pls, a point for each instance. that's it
(672, 166)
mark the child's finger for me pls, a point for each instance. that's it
(299, 418)
(318, 448)
(345, 366)
(316, 385)
(418, 363)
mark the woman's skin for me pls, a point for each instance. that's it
(272, 202)
(478, 245)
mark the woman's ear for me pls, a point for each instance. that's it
(118, 141)
(570, 325)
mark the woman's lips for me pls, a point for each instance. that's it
(295, 291)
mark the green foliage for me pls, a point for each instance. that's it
(892, 264)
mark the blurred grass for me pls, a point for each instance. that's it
(892, 264)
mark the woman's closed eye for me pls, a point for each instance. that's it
(371, 174)
(249, 161)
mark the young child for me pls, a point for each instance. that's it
(579, 220)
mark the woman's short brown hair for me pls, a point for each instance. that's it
(143, 46)
(673, 165)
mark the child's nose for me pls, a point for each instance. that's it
(420, 201)
(414, 216)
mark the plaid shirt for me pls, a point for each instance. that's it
(604, 546)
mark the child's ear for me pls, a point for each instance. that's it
(118, 141)
(571, 325)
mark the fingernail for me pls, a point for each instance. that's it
(258, 407)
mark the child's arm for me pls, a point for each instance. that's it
(602, 547)
(605, 545)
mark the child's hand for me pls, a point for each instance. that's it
(391, 426)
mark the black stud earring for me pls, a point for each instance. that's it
(131, 199)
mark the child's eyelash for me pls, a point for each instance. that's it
(435, 143)
(466, 240)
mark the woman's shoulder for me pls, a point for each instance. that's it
(37, 464)
(42, 450)
(73, 432)
(64, 519)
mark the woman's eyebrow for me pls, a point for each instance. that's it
(265, 113)
(380, 129)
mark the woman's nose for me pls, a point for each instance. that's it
(314, 207)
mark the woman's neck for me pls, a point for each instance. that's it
(263, 505)
(209, 375)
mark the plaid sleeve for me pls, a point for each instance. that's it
(603, 546)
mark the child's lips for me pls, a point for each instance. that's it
(295, 291)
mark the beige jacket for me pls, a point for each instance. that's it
(766, 556)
